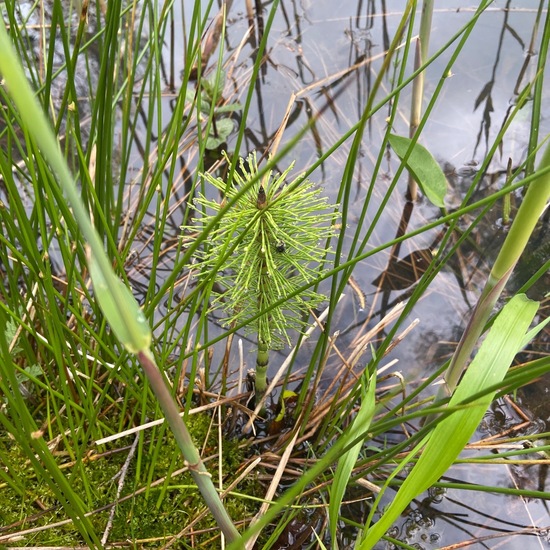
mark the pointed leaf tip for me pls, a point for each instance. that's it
(120, 309)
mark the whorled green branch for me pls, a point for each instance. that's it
(268, 245)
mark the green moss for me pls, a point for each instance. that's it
(148, 518)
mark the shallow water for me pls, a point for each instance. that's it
(309, 55)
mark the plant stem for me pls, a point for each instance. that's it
(542, 55)
(193, 461)
(421, 54)
(262, 360)
(533, 205)
(262, 356)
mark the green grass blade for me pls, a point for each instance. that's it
(118, 304)
(347, 461)
(31, 439)
(134, 338)
(451, 435)
(34, 119)
(527, 216)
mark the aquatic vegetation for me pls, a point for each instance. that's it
(265, 254)
(98, 285)
(219, 125)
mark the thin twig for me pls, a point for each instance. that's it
(122, 477)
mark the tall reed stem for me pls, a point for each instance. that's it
(193, 461)
(421, 54)
(531, 208)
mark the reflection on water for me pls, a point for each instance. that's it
(320, 67)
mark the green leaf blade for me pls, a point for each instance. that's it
(120, 309)
(346, 463)
(423, 167)
(451, 435)
(224, 127)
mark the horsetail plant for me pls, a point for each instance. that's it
(266, 254)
